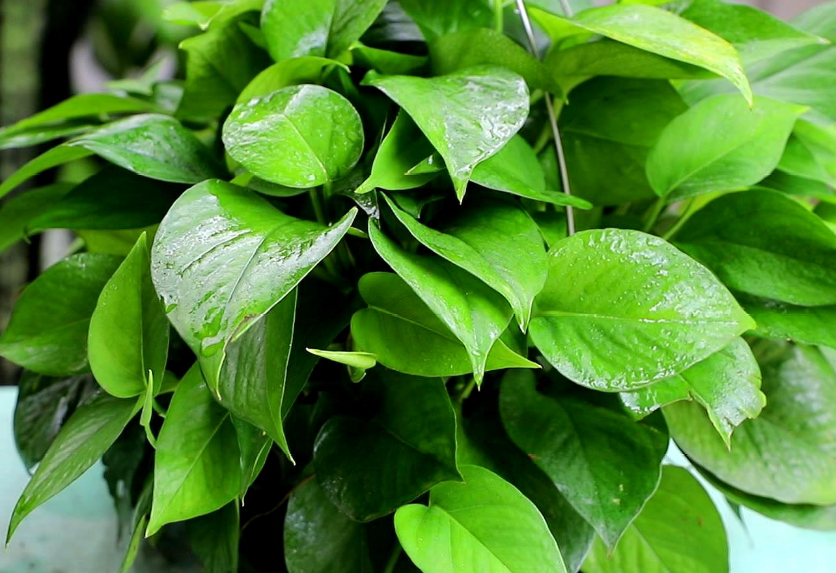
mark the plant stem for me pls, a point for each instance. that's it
(558, 143)
(656, 210)
(686, 214)
(316, 202)
(498, 23)
(393, 559)
(467, 390)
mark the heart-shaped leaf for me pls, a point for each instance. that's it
(299, 136)
(302, 70)
(622, 309)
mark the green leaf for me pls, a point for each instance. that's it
(87, 435)
(437, 18)
(196, 467)
(299, 136)
(252, 377)
(84, 106)
(386, 61)
(93, 204)
(811, 152)
(599, 129)
(787, 453)
(602, 462)
(805, 324)
(128, 336)
(369, 468)
(220, 63)
(678, 530)
(254, 445)
(214, 539)
(154, 146)
(357, 362)
(403, 147)
(804, 515)
(756, 34)
(294, 71)
(224, 256)
(515, 169)
(44, 404)
(610, 58)
(483, 524)
(476, 314)
(765, 244)
(467, 116)
(138, 522)
(622, 309)
(482, 441)
(56, 156)
(208, 13)
(655, 30)
(47, 332)
(323, 28)
(406, 336)
(495, 241)
(727, 384)
(17, 213)
(483, 46)
(317, 535)
(731, 146)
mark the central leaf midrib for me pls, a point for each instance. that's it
(473, 535)
(569, 314)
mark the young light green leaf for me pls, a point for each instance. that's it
(787, 453)
(622, 309)
(214, 538)
(476, 314)
(224, 256)
(301, 70)
(805, 324)
(196, 467)
(137, 526)
(731, 147)
(765, 244)
(357, 362)
(467, 116)
(727, 384)
(323, 28)
(17, 213)
(208, 13)
(598, 129)
(661, 32)
(128, 337)
(87, 435)
(47, 332)
(253, 374)
(299, 136)
(495, 241)
(406, 336)
(369, 468)
(485, 519)
(403, 147)
(605, 464)
(678, 530)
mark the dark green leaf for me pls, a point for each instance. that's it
(254, 445)
(485, 519)
(369, 468)
(299, 136)
(56, 156)
(196, 467)
(603, 463)
(87, 435)
(805, 324)
(214, 538)
(438, 18)
(386, 61)
(622, 309)
(47, 332)
(17, 213)
(301, 70)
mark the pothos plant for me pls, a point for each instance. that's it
(444, 279)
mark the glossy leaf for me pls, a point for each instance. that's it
(47, 332)
(437, 18)
(468, 115)
(323, 28)
(765, 244)
(301, 70)
(17, 213)
(496, 242)
(603, 463)
(208, 13)
(386, 61)
(622, 309)
(357, 362)
(655, 30)
(805, 324)
(732, 147)
(787, 452)
(253, 374)
(126, 364)
(254, 445)
(196, 468)
(727, 384)
(55, 157)
(214, 539)
(483, 524)
(678, 530)
(299, 136)
(87, 435)
(369, 468)
(476, 314)
(224, 256)
(406, 336)
(811, 152)
(597, 129)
